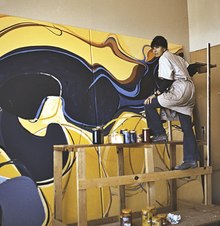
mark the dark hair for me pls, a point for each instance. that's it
(159, 41)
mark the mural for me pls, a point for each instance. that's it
(59, 82)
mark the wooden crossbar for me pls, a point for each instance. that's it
(77, 147)
(141, 178)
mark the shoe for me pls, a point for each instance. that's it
(186, 165)
(159, 138)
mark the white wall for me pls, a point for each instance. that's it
(204, 23)
(139, 18)
(204, 27)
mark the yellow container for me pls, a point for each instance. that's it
(147, 215)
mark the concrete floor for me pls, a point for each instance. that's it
(195, 216)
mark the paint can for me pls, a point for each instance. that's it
(147, 215)
(97, 136)
(127, 136)
(133, 136)
(116, 138)
(145, 135)
(126, 217)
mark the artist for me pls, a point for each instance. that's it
(177, 93)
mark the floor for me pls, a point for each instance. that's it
(193, 216)
(197, 215)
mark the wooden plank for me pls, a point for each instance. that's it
(141, 178)
(121, 188)
(173, 186)
(208, 108)
(75, 147)
(149, 167)
(58, 185)
(81, 193)
(208, 189)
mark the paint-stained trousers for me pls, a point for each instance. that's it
(154, 122)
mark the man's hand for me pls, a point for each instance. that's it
(149, 99)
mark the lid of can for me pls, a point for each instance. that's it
(150, 208)
(145, 129)
(126, 211)
(98, 128)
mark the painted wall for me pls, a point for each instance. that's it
(138, 18)
(204, 23)
(146, 18)
(59, 82)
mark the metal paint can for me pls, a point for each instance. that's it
(145, 135)
(126, 217)
(147, 215)
(97, 136)
(133, 136)
(116, 138)
(145, 220)
(127, 136)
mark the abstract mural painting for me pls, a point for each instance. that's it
(58, 83)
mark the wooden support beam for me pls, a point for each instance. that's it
(58, 185)
(121, 188)
(208, 189)
(81, 193)
(173, 186)
(75, 147)
(149, 168)
(142, 178)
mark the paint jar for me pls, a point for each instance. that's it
(116, 138)
(145, 135)
(126, 217)
(144, 218)
(147, 215)
(97, 136)
(133, 136)
(127, 136)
